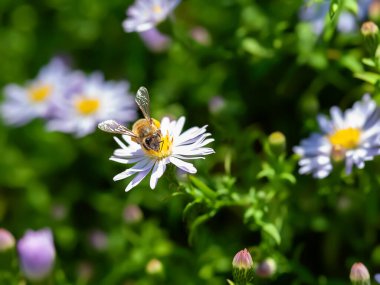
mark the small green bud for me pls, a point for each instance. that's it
(359, 274)
(277, 142)
(370, 32)
(242, 267)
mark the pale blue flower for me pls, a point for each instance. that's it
(352, 136)
(146, 14)
(93, 100)
(315, 13)
(37, 254)
(34, 100)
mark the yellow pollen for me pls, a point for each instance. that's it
(87, 106)
(165, 148)
(40, 93)
(157, 9)
(346, 138)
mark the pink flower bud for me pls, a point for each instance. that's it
(359, 274)
(7, 241)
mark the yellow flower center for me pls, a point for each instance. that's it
(347, 138)
(40, 93)
(87, 106)
(165, 148)
(157, 9)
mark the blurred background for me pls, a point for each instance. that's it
(244, 68)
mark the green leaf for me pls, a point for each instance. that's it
(198, 221)
(334, 8)
(369, 62)
(369, 77)
(253, 47)
(272, 231)
(289, 177)
(207, 191)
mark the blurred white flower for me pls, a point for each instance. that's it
(25, 103)
(175, 148)
(146, 14)
(93, 101)
(352, 136)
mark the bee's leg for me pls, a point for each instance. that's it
(161, 144)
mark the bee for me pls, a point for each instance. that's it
(145, 132)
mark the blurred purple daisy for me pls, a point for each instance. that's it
(37, 253)
(352, 136)
(25, 103)
(175, 148)
(91, 102)
(155, 40)
(146, 14)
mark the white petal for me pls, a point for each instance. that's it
(137, 179)
(186, 166)
(178, 127)
(158, 170)
(141, 166)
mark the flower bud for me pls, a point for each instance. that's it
(7, 241)
(154, 267)
(277, 143)
(201, 35)
(132, 214)
(242, 267)
(216, 104)
(98, 240)
(37, 253)
(370, 32)
(359, 274)
(266, 268)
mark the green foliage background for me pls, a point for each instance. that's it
(274, 75)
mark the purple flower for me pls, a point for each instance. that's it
(146, 14)
(154, 40)
(37, 253)
(377, 278)
(91, 101)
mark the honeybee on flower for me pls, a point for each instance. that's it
(151, 144)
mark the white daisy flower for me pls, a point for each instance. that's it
(25, 103)
(352, 136)
(175, 148)
(91, 102)
(146, 14)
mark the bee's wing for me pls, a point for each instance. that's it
(142, 100)
(111, 126)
